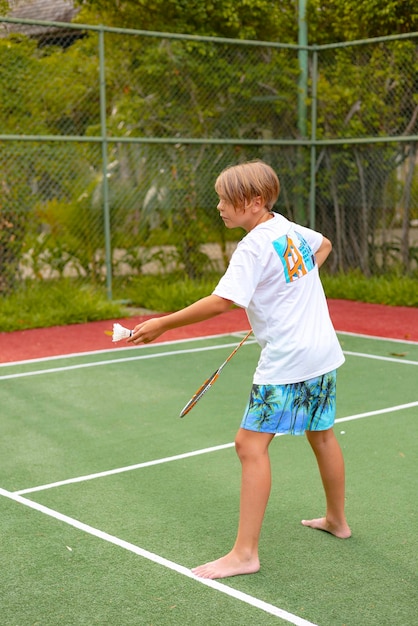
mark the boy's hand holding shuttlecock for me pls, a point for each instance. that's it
(146, 331)
(120, 332)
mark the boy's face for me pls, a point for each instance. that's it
(235, 217)
(232, 218)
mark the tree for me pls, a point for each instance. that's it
(331, 21)
(46, 91)
(163, 88)
(267, 20)
(363, 91)
(16, 172)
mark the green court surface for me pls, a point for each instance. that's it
(108, 497)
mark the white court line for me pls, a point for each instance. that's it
(66, 368)
(378, 338)
(155, 558)
(141, 357)
(185, 455)
(380, 358)
(70, 355)
(128, 468)
(271, 609)
(237, 333)
(243, 597)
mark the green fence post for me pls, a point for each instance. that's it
(312, 191)
(303, 67)
(302, 107)
(105, 184)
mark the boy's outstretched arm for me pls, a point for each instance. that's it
(203, 309)
(323, 251)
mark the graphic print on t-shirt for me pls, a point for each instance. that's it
(296, 255)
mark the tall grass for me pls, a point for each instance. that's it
(167, 292)
(44, 304)
(395, 290)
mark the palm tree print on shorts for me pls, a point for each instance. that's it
(292, 408)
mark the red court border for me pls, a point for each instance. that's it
(376, 320)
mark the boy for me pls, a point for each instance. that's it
(273, 274)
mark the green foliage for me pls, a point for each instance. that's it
(77, 109)
(44, 92)
(38, 75)
(392, 289)
(360, 88)
(51, 303)
(52, 205)
(165, 292)
(60, 302)
(12, 230)
(255, 19)
(364, 91)
(267, 20)
(347, 20)
(20, 66)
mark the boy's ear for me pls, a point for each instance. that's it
(258, 202)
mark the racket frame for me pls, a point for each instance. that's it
(211, 380)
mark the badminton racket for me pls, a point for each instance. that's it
(210, 381)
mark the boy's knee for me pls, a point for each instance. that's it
(251, 445)
(244, 446)
(239, 447)
(320, 437)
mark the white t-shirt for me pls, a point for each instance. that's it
(274, 277)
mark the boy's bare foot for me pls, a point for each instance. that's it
(229, 565)
(341, 531)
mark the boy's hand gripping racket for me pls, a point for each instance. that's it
(209, 382)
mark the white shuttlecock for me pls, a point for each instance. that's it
(120, 332)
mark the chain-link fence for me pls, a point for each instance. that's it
(112, 139)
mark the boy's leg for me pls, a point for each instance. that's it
(331, 467)
(252, 450)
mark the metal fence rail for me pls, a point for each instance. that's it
(111, 140)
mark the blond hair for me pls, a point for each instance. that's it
(239, 184)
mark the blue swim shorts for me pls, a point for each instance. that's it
(293, 408)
